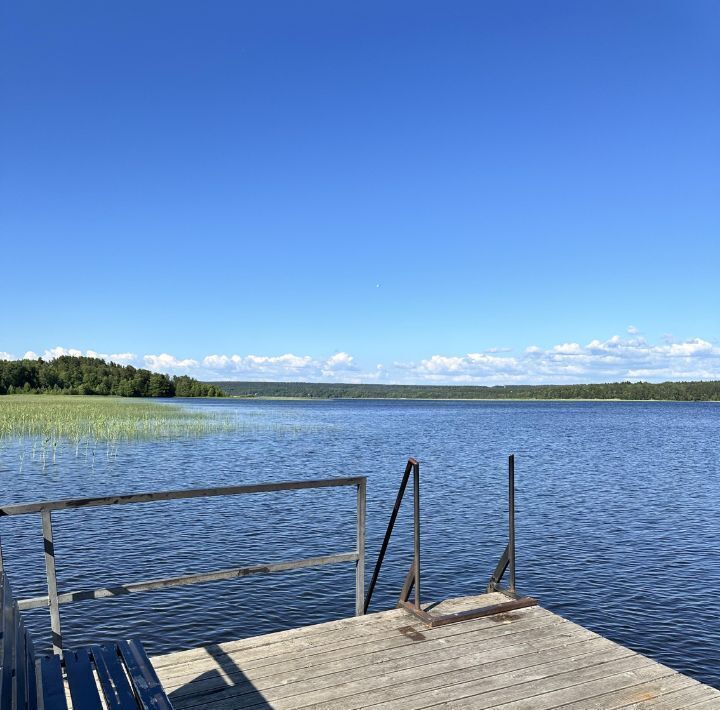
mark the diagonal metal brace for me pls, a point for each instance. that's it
(500, 570)
(408, 585)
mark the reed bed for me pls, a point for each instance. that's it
(79, 420)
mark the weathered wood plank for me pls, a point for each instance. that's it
(635, 695)
(530, 659)
(353, 625)
(414, 650)
(480, 664)
(587, 692)
(358, 644)
(327, 681)
(709, 704)
(301, 653)
(475, 690)
(685, 698)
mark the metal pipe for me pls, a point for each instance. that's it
(150, 585)
(360, 563)
(52, 582)
(511, 521)
(40, 506)
(416, 528)
(388, 532)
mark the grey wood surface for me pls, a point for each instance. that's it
(528, 659)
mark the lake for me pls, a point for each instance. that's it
(616, 515)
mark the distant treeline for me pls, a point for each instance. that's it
(679, 391)
(89, 375)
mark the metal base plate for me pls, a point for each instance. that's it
(443, 619)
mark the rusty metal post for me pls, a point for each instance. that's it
(416, 528)
(511, 521)
(52, 582)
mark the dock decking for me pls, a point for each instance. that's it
(528, 659)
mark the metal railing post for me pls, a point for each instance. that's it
(416, 530)
(52, 582)
(388, 533)
(511, 521)
(360, 564)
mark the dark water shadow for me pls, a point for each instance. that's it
(231, 687)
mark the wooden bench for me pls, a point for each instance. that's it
(119, 672)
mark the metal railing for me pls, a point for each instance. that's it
(54, 598)
(413, 576)
(507, 560)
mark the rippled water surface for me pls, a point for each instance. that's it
(617, 519)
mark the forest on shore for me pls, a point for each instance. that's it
(677, 391)
(77, 375)
(71, 374)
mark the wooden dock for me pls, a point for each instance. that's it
(527, 659)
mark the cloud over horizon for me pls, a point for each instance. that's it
(615, 359)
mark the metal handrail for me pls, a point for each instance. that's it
(413, 576)
(506, 562)
(507, 559)
(54, 598)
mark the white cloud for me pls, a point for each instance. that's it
(568, 349)
(689, 348)
(52, 353)
(598, 361)
(616, 358)
(169, 363)
(339, 360)
(119, 358)
(59, 352)
(283, 367)
(122, 358)
(633, 330)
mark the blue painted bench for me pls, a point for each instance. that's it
(120, 673)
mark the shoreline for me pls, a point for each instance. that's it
(461, 399)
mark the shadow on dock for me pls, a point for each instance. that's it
(225, 681)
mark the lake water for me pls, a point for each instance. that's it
(617, 519)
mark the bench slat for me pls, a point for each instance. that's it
(31, 696)
(9, 612)
(19, 685)
(3, 584)
(50, 683)
(83, 688)
(113, 681)
(119, 673)
(148, 689)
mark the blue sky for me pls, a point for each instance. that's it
(381, 191)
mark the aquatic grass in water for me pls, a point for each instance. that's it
(52, 419)
(40, 427)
